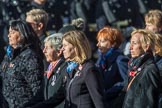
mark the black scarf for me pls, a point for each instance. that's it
(136, 64)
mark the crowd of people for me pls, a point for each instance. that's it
(61, 66)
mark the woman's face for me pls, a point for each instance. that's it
(14, 38)
(152, 28)
(50, 53)
(104, 45)
(136, 46)
(68, 50)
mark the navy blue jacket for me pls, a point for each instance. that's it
(115, 75)
(158, 60)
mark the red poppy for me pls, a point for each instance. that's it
(132, 73)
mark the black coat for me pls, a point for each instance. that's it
(22, 76)
(84, 88)
(144, 90)
(158, 60)
(54, 88)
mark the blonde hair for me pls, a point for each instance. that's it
(158, 44)
(81, 44)
(39, 16)
(147, 38)
(154, 17)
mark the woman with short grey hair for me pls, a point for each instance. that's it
(55, 76)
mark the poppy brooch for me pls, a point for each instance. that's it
(132, 73)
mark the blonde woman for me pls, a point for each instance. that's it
(144, 79)
(38, 18)
(83, 81)
(153, 21)
(158, 58)
(158, 51)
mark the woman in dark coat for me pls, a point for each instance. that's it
(83, 88)
(158, 52)
(158, 60)
(144, 79)
(22, 67)
(112, 64)
(54, 77)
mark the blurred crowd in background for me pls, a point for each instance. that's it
(122, 14)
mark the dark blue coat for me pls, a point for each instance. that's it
(114, 76)
(158, 60)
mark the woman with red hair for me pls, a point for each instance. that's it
(111, 63)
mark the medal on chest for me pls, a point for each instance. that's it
(53, 80)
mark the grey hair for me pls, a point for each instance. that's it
(54, 40)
